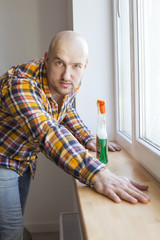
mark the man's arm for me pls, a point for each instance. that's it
(77, 127)
(75, 124)
(26, 103)
(23, 100)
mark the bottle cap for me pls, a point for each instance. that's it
(102, 106)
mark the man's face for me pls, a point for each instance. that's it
(65, 67)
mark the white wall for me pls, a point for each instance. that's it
(93, 19)
(26, 28)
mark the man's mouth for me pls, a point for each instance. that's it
(65, 84)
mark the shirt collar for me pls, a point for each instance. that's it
(43, 80)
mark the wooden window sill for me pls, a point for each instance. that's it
(104, 219)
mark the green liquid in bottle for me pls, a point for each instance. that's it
(104, 149)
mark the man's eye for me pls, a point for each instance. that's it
(77, 66)
(59, 63)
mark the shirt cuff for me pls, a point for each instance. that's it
(90, 170)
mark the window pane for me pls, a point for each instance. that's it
(124, 68)
(149, 71)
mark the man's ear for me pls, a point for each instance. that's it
(86, 64)
(46, 58)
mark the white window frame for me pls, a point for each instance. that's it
(146, 154)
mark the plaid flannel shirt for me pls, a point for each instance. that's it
(30, 123)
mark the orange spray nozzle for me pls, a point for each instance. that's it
(102, 106)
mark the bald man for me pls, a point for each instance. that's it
(37, 114)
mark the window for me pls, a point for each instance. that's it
(137, 67)
(124, 73)
(149, 70)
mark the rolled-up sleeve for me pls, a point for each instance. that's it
(26, 102)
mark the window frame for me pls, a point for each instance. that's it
(146, 154)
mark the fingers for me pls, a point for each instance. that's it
(128, 195)
(137, 193)
(113, 147)
(107, 191)
(138, 185)
(113, 196)
(132, 195)
(118, 194)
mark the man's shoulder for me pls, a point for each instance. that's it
(29, 69)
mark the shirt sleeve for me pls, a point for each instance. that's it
(73, 122)
(25, 101)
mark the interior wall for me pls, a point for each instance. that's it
(26, 28)
(93, 20)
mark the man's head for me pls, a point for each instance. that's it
(65, 62)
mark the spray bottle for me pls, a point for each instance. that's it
(101, 138)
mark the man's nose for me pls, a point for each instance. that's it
(66, 75)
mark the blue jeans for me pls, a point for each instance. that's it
(13, 194)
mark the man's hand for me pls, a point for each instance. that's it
(119, 188)
(91, 145)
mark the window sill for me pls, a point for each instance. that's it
(104, 219)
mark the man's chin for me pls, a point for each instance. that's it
(66, 91)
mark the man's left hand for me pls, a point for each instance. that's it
(91, 145)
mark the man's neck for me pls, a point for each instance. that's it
(57, 97)
(59, 100)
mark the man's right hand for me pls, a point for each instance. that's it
(119, 188)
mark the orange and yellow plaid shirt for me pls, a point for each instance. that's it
(30, 123)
